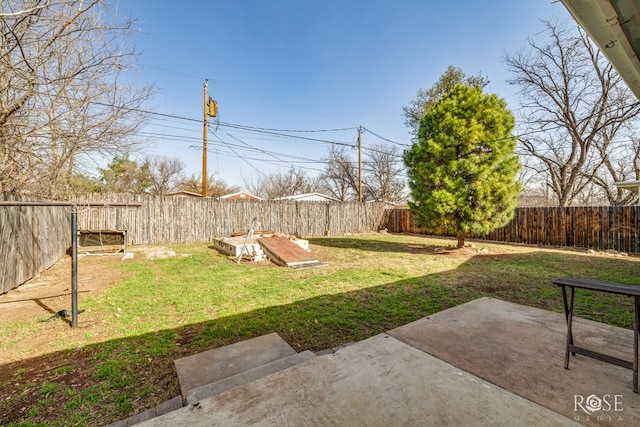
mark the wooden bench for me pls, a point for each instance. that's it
(614, 288)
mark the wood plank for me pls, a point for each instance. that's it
(283, 251)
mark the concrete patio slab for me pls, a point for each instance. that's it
(521, 349)
(380, 381)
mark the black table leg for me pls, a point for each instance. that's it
(636, 331)
(566, 304)
(569, 315)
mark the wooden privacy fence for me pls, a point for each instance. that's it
(601, 228)
(168, 220)
(32, 239)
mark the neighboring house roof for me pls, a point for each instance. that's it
(390, 205)
(383, 201)
(240, 195)
(614, 25)
(184, 193)
(309, 197)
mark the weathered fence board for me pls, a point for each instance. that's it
(169, 220)
(600, 228)
(32, 239)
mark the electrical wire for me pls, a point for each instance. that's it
(254, 148)
(245, 146)
(246, 159)
(280, 134)
(295, 130)
(215, 135)
(385, 139)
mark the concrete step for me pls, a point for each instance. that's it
(212, 372)
(380, 381)
(247, 377)
(224, 362)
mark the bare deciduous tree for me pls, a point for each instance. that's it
(620, 162)
(340, 177)
(384, 174)
(216, 186)
(65, 91)
(165, 174)
(281, 184)
(574, 108)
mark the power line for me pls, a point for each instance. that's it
(296, 130)
(254, 148)
(277, 132)
(238, 155)
(385, 139)
(245, 146)
(152, 113)
(286, 133)
(280, 133)
(250, 93)
(179, 73)
(263, 160)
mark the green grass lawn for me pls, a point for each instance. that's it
(170, 308)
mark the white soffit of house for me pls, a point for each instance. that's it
(614, 25)
(629, 185)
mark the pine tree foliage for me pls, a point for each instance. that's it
(462, 170)
(426, 98)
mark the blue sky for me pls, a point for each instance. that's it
(311, 65)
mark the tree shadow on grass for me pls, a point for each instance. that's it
(101, 383)
(94, 378)
(383, 245)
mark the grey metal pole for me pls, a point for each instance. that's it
(74, 240)
(246, 239)
(74, 265)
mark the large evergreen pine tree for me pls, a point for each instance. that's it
(462, 170)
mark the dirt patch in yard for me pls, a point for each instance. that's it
(28, 365)
(50, 291)
(39, 299)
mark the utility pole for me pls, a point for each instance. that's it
(210, 108)
(360, 163)
(204, 143)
